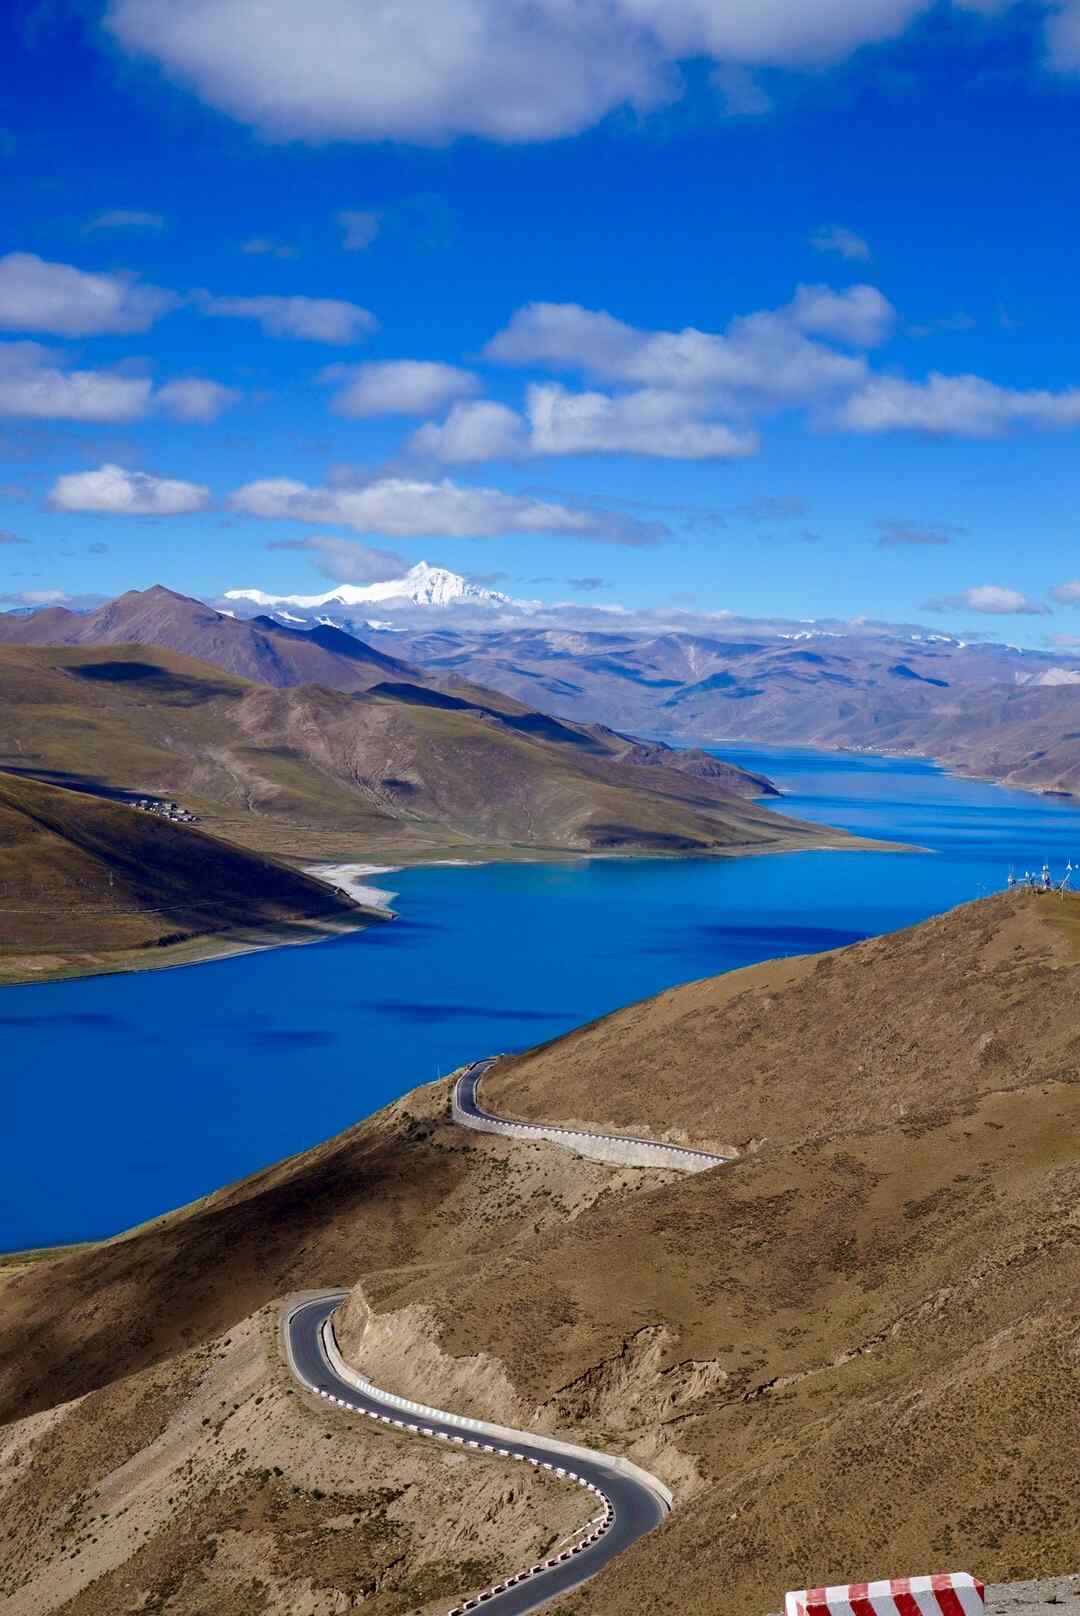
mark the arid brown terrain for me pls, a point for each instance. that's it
(88, 885)
(853, 1352)
(308, 771)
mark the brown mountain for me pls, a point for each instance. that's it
(306, 771)
(261, 649)
(852, 1352)
(91, 885)
(985, 709)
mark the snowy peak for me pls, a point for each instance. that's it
(422, 585)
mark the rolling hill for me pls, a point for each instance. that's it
(400, 769)
(92, 885)
(852, 1352)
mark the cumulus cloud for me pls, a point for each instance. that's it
(650, 421)
(403, 507)
(834, 238)
(992, 600)
(314, 319)
(859, 316)
(954, 406)
(127, 219)
(195, 398)
(35, 386)
(397, 387)
(115, 491)
(36, 295)
(473, 432)
(765, 358)
(359, 228)
(896, 534)
(677, 382)
(1068, 593)
(347, 561)
(510, 70)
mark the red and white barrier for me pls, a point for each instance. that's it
(954, 1593)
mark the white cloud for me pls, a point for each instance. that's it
(35, 386)
(991, 600)
(403, 507)
(314, 319)
(894, 534)
(359, 227)
(196, 399)
(398, 387)
(35, 597)
(559, 422)
(510, 70)
(834, 238)
(860, 317)
(115, 491)
(127, 219)
(649, 421)
(760, 359)
(1063, 36)
(1067, 594)
(954, 406)
(267, 247)
(473, 431)
(347, 561)
(67, 302)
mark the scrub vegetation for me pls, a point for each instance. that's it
(855, 1351)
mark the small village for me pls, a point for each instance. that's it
(166, 810)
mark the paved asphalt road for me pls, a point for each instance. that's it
(465, 1093)
(637, 1510)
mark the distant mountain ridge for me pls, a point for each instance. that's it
(991, 710)
(422, 585)
(259, 648)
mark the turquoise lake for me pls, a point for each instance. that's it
(127, 1095)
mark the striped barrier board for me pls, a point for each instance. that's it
(954, 1593)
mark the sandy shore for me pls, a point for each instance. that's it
(350, 878)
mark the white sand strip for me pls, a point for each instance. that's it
(348, 877)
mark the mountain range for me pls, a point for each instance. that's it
(395, 766)
(422, 585)
(982, 708)
(986, 709)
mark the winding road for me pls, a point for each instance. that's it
(629, 1502)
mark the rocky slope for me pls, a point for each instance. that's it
(266, 651)
(854, 1352)
(399, 770)
(987, 709)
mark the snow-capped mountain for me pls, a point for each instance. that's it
(422, 585)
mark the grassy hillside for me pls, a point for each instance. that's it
(401, 770)
(87, 884)
(853, 1352)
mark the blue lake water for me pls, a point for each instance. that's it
(127, 1095)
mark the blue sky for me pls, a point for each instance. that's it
(294, 291)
